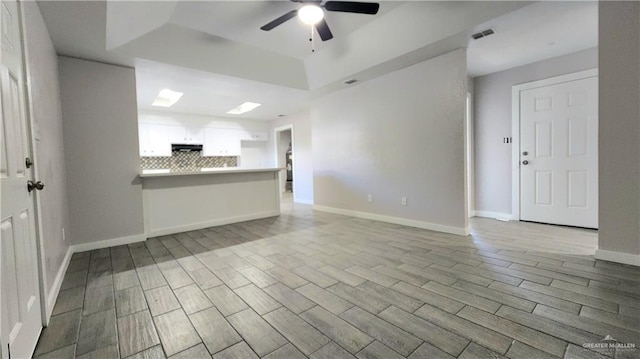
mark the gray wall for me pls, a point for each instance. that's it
(303, 162)
(401, 134)
(619, 128)
(492, 122)
(44, 96)
(101, 147)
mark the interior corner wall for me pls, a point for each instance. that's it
(303, 161)
(46, 115)
(619, 129)
(492, 122)
(100, 126)
(398, 135)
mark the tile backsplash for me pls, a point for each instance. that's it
(186, 161)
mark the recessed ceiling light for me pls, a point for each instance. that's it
(166, 98)
(245, 107)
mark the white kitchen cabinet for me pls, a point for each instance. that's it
(195, 135)
(154, 140)
(187, 135)
(221, 142)
(178, 134)
(259, 136)
(254, 136)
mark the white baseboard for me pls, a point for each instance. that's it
(303, 201)
(396, 220)
(57, 283)
(106, 243)
(217, 222)
(618, 257)
(495, 215)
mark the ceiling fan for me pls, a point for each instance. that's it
(312, 13)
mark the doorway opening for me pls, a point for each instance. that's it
(285, 158)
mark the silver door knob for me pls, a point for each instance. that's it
(525, 162)
(37, 185)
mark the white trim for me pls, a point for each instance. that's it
(515, 127)
(618, 257)
(213, 223)
(302, 200)
(106, 243)
(496, 215)
(469, 155)
(57, 283)
(396, 220)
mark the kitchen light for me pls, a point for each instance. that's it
(310, 14)
(166, 98)
(245, 107)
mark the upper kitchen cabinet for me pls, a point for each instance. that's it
(154, 140)
(188, 135)
(254, 136)
(221, 142)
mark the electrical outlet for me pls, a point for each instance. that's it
(370, 197)
(64, 237)
(404, 201)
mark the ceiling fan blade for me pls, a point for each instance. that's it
(323, 30)
(288, 16)
(370, 8)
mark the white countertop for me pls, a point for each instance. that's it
(205, 171)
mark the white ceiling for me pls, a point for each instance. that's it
(229, 19)
(215, 53)
(536, 32)
(212, 94)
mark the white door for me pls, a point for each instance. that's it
(559, 153)
(19, 291)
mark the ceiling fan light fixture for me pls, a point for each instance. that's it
(310, 14)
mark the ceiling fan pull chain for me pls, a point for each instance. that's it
(313, 47)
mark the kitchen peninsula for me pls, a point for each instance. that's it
(183, 201)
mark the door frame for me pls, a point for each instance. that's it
(276, 142)
(469, 156)
(515, 127)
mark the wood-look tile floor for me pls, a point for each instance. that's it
(318, 285)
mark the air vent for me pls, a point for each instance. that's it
(352, 81)
(481, 34)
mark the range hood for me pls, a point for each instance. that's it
(180, 147)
